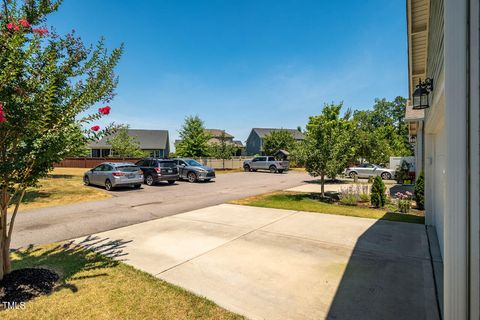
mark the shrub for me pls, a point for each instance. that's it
(353, 194)
(349, 200)
(378, 197)
(420, 191)
(404, 201)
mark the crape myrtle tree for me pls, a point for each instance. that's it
(278, 140)
(223, 149)
(193, 139)
(48, 84)
(124, 145)
(328, 144)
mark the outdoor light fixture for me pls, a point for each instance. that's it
(420, 95)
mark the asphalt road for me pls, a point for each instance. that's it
(128, 206)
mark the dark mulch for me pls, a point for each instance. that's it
(25, 284)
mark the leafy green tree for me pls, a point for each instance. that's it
(48, 83)
(124, 145)
(382, 132)
(278, 140)
(377, 195)
(420, 191)
(194, 139)
(223, 149)
(328, 144)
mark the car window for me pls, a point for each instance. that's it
(262, 158)
(193, 163)
(107, 167)
(167, 164)
(98, 168)
(153, 163)
(140, 163)
(271, 159)
(128, 168)
(254, 159)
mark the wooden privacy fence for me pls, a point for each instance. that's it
(234, 163)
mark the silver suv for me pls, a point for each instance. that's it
(266, 163)
(114, 174)
(193, 171)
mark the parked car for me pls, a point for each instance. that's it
(114, 174)
(193, 170)
(266, 163)
(156, 170)
(367, 170)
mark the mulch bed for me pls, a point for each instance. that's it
(25, 284)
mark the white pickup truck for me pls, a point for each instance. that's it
(266, 163)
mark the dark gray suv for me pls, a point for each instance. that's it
(193, 171)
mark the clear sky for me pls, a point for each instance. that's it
(240, 64)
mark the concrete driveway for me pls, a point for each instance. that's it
(130, 206)
(280, 264)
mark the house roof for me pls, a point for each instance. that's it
(262, 132)
(218, 133)
(413, 114)
(238, 143)
(148, 139)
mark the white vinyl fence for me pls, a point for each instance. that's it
(234, 163)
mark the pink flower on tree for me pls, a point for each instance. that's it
(105, 110)
(12, 26)
(95, 128)
(24, 23)
(2, 114)
(40, 31)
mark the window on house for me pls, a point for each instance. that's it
(96, 153)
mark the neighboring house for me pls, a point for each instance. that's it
(156, 142)
(443, 44)
(216, 136)
(254, 144)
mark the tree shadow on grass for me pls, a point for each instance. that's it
(89, 258)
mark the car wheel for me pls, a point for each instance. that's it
(137, 186)
(352, 174)
(192, 177)
(273, 169)
(171, 181)
(149, 180)
(246, 168)
(108, 185)
(280, 171)
(386, 176)
(86, 181)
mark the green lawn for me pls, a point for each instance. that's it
(61, 186)
(303, 202)
(96, 287)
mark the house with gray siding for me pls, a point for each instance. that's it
(155, 142)
(254, 143)
(443, 45)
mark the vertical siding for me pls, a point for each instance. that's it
(435, 40)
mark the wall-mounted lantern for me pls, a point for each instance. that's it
(421, 93)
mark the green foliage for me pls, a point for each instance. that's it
(420, 191)
(403, 171)
(124, 145)
(223, 149)
(381, 133)
(328, 144)
(194, 139)
(278, 140)
(48, 83)
(377, 196)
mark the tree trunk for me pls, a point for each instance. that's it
(322, 182)
(4, 250)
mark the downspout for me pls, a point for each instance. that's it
(468, 160)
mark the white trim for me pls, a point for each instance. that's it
(455, 251)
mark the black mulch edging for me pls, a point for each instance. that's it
(25, 284)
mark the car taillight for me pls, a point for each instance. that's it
(117, 173)
(158, 170)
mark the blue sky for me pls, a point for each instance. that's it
(240, 64)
